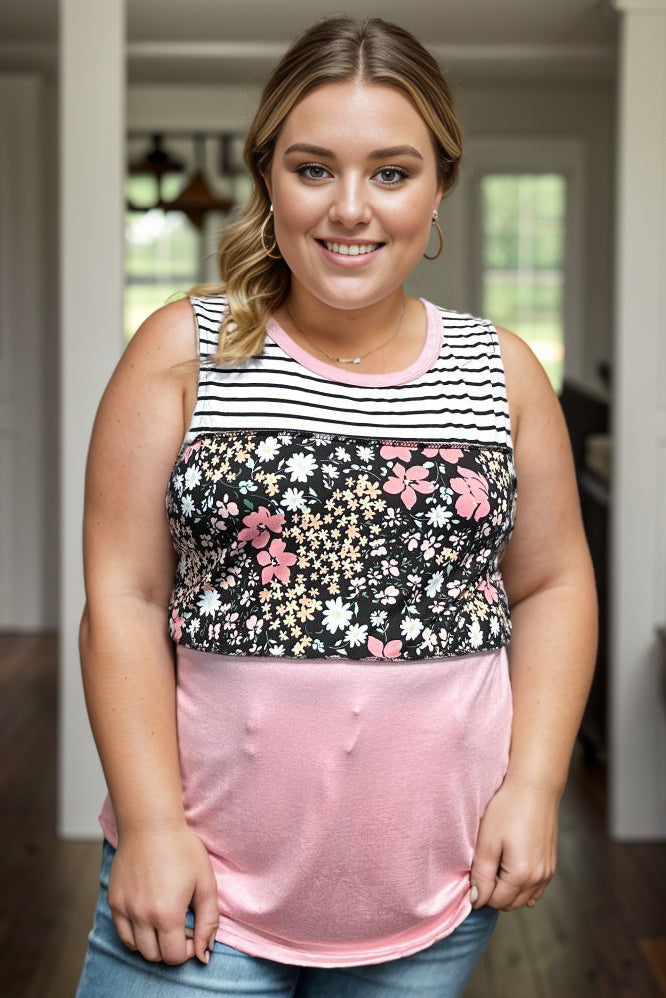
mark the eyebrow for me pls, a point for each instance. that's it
(388, 153)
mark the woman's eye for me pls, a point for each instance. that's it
(391, 175)
(313, 171)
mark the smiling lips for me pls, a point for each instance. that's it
(350, 249)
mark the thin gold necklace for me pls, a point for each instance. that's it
(347, 360)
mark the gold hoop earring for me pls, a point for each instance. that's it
(262, 235)
(436, 225)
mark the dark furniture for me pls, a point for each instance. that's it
(587, 413)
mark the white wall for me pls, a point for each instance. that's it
(50, 352)
(162, 106)
(638, 658)
(92, 171)
(28, 353)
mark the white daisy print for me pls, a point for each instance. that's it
(438, 516)
(267, 449)
(301, 466)
(435, 583)
(411, 628)
(209, 602)
(192, 478)
(293, 500)
(336, 616)
(356, 635)
(475, 634)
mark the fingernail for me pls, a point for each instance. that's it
(474, 894)
(206, 956)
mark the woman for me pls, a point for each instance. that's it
(342, 781)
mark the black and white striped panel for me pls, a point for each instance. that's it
(461, 398)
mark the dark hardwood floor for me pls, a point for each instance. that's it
(600, 931)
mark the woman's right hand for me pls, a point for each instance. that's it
(155, 878)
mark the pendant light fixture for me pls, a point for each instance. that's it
(197, 197)
(156, 162)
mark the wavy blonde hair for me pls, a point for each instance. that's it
(336, 49)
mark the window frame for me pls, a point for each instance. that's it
(538, 155)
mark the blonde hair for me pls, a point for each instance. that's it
(333, 50)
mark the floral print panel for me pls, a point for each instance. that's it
(318, 546)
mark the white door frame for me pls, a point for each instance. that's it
(638, 552)
(92, 173)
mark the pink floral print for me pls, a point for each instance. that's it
(190, 449)
(391, 649)
(276, 562)
(258, 525)
(473, 491)
(489, 591)
(176, 625)
(450, 454)
(402, 453)
(385, 550)
(406, 482)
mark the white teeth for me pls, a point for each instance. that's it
(356, 249)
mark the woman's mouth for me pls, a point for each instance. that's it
(350, 249)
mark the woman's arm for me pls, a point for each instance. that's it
(161, 867)
(550, 585)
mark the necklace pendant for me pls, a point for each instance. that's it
(346, 360)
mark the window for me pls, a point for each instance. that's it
(523, 260)
(527, 225)
(168, 251)
(161, 252)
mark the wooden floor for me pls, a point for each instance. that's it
(599, 931)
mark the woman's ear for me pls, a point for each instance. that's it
(267, 181)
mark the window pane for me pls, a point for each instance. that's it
(161, 254)
(523, 261)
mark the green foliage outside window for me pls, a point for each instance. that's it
(162, 251)
(523, 261)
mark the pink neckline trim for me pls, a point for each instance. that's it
(423, 362)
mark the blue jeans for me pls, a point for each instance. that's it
(440, 971)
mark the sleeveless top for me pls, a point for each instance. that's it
(340, 623)
(357, 519)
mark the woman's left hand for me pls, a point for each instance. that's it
(516, 850)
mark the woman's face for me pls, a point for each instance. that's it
(353, 184)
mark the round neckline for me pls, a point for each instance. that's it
(424, 361)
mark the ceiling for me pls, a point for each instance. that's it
(219, 39)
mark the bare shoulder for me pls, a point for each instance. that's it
(159, 365)
(150, 394)
(138, 431)
(166, 338)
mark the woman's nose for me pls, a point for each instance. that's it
(350, 205)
